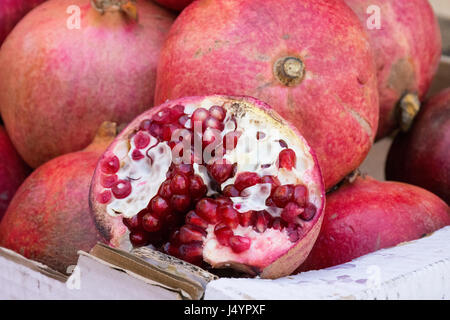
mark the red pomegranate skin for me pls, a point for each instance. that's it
(11, 11)
(335, 106)
(59, 84)
(368, 215)
(422, 155)
(13, 171)
(177, 5)
(48, 219)
(407, 50)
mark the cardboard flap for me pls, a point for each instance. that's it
(157, 267)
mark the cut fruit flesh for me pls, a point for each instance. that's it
(187, 185)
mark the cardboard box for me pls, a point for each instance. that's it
(415, 270)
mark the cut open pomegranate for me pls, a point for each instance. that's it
(222, 182)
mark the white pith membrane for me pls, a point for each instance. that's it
(251, 155)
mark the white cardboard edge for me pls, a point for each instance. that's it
(418, 269)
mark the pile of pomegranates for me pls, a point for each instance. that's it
(243, 122)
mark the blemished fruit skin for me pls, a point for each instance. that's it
(13, 171)
(309, 59)
(176, 5)
(11, 11)
(115, 231)
(59, 83)
(407, 49)
(49, 219)
(421, 156)
(367, 215)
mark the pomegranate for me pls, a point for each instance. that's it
(48, 219)
(13, 171)
(367, 215)
(407, 48)
(421, 156)
(11, 11)
(309, 59)
(59, 83)
(231, 186)
(176, 5)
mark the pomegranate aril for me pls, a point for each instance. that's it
(209, 137)
(150, 223)
(240, 244)
(180, 203)
(207, 209)
(270, 203)
(291, 212)
(230, 191)
(300, 195)
(220, 171)
(293, 232)
(159, 206)
(121, 189)
(223, 201)
(218, 112)
(283, 143)
(164, 190)
(261, 222)
(177, 111)
(260, 135)
(169, 130)
(104, 197)
(282, 195)
(179, 184)
(145, 125)
(110, 164)
(309, 212)
(230, 140)
(132, 223)
(246, 218)
(278, 224)
(108, 181)
(139, 238)
(136, 155)
(190, 234)
(141, 140)
(197, 187)
(185, 169)
(223, 234)
(171, 249)
(228, 215)
(199, 115)
(163, 117)
(194, 219)
(287, 159)
(192, 252)
(246, 179)
(274, 181)
(156, 130)
(213, 123)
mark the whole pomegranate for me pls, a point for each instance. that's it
(309, 59)
(218, 181)
(421, 156)
(176, 5)
(367, 215)
(48, 219)
(13, 171)
(11, 11)
(407, 48)
(60, 82)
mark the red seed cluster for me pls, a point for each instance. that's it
(176, 219)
